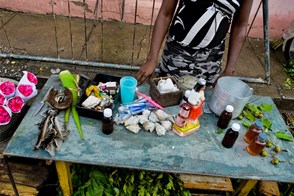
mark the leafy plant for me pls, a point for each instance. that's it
(113, 181)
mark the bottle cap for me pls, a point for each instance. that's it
(107, 112)
(258, 124)
(235, 126)
(262, 136)
(229, 108)
(202, 81)
(187, 93)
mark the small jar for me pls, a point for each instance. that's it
(225, 117)
(180, 121)
(185, 110)
(107, 121)
(199, 85)
(257, 144)
(254, 129)
(231, 136)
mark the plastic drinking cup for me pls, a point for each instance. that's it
(128, 86)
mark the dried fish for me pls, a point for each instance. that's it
(52, 132)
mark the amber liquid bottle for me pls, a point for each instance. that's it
(257, 144)
(107, 121)
(253, 131)
(225, 117)
(231, 136)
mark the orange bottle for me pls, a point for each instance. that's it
(257, 144)
(253, 130)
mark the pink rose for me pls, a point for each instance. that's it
(25, 89)
(4, 115)
(7, 88)
(2, 99)
(15, 104)
(32, 78)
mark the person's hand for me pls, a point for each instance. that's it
(145, 72)
(226, 72)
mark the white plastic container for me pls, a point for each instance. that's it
(230, 91)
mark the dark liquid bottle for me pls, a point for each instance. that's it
(200, 84)
(107, 121)
(257, 144)
(225, 117)
(231, 136)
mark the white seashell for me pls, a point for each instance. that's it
(135, 128)
(162, 115)
(149, 126)
(131, 121)
(153, 117)
(146, 113)
(142, 119)
(160, 130)
(166, 124)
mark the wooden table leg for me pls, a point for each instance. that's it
(63, 172)
(245, 187)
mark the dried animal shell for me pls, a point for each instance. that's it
(131, 121)
(162, 115)
(142, 119)
(146, 113)
(135, 128)
(153, 117)
(166, 124)
(60, 100)
(160, 130)
(149, 126)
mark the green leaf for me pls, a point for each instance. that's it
(266, 107)
(250, 116)
(266, 123)
(246, 124)
(219, 131)
(284, 136)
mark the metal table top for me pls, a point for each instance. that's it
(200, 153)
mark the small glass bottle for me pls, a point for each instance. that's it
(180, 121)
(199, 85)
(231, 135)
(257, 144)
(196, 105)
(225, 117)
(185, 110)
(253, 130)
(107, 121)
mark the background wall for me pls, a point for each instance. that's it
(281, 13)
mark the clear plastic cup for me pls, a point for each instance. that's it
(128, 86)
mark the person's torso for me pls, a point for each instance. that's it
(202, 23)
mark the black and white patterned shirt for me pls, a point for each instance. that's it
(202, 23)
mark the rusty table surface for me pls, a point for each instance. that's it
(200, 153)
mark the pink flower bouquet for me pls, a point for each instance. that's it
(5, 115)
(2, 99)
(28, 78)
(26, 91)
(7, 89)
(15, 104)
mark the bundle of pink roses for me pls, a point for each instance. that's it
(12, 98)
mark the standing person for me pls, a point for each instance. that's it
(195, 41)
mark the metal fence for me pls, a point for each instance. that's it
(94, 39)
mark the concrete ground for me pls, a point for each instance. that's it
(109, 42)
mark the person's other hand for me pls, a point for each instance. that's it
(145, 72)
(226, 72)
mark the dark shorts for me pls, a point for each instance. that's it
(177, 60)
